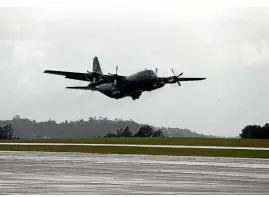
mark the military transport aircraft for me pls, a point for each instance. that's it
(118, 86)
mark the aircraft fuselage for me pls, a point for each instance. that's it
(132, 85)
(120, 86)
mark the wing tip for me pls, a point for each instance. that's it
(71, 88)
(78, 87)
(47, 71)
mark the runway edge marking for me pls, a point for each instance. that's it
(133, 145)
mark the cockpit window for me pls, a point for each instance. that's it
(150, 72)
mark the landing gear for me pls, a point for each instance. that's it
(136, 96)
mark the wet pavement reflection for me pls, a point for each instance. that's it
(83, 173)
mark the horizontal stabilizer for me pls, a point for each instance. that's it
(81, 88)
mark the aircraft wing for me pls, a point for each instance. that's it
(87, 76)
(190, 79)
(176, 79)
(74, 75)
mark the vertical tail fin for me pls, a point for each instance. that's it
(96, 66)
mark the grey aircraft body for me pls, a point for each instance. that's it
(118, 86)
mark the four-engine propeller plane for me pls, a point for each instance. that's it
(118, 86)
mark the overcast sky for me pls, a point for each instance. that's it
(228, 46)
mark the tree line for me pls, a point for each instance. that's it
(90, 128)
(102, 127)
(255, 132)
(144, 131)
(7, 132)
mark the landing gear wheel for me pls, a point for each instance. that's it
(136, 96)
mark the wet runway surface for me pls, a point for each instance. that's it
(82, 173)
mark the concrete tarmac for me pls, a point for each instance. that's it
(83, 173)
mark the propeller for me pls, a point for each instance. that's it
(177, 77)
(115, 75)
(95, 76)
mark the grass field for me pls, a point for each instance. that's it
(160, 141)
(150, 151)
(142, 150)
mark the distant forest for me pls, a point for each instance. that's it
(93, 127)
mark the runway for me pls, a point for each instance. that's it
(83, 173)
(133, 145)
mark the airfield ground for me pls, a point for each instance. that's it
(149, 150)
(159, 141)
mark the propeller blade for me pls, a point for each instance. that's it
(117, 70)
(177, 77)
(173, 72)
(156, 71)
(180, 74)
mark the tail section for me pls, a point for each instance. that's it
(96, 66)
